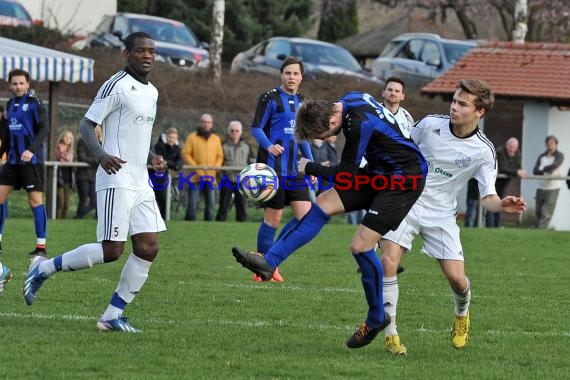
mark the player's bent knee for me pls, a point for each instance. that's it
(112, 251)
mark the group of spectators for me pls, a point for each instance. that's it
(509, 164)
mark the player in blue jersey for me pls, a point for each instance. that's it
(393, 160)
(28, 127)
(274, 129)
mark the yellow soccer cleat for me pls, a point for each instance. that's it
(460, 333)
(394, 346)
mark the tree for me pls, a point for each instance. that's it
(548, 20)
(247, 22)
(339, 19)
(520, 20)
(216, 41)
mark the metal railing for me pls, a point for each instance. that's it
(55, 165)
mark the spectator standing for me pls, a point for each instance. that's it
(509, 163)
(472, 211)
(239, 154)
(85, 176)
(28, 127)
(325, 154)
(203, 148)
(168, 147)
(274, 129)
(548, 165)
(64, 153)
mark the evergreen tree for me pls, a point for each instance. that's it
(339, 19)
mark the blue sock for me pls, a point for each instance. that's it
(265, 236)
(372, 274)
(118, 302)
(40, 221)
(300, 234)
(287, 227)
(3, 215)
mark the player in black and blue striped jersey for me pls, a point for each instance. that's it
(371, 132)
(274, 129)
(23, 140)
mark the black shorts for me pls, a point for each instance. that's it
(290, 189)
(385, 207)
(27, 176)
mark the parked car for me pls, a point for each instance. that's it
(14, 14)
(318, 57)
(175, 42)
(418, 58)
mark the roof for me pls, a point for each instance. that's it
(515, 70)
(42, 63)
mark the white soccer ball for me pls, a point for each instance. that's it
(258, 182)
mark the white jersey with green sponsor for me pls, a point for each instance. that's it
(126, 109)
(452, 161)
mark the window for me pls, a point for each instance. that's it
(430, 54)
(277, 48)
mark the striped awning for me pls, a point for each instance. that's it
(42, 63)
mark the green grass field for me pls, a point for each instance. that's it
(203, 317)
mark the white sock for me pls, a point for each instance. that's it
(79, 258)
(462, 300)
(133, 277)
(391, 293)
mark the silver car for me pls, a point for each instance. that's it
(418, 58)
(319, 58)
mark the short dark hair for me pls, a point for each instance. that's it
(551, 137)
(395, 80)
(17, 73)
(130, 40)
(313, 119)
(484, 96)
(291, 61)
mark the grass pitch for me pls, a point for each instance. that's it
(203, 318)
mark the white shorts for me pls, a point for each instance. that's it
(440, 233)
(124, 212)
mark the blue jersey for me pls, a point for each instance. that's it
(274, 123)
(372, 132)
(27, 128)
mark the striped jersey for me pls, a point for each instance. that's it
(274, 123)
(125, 108)
(372, 133)
(452, 161)
(28, 127)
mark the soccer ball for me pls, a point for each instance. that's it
(258, 182)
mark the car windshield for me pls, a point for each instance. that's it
(454, 52)
(325, 55)
(176, 33)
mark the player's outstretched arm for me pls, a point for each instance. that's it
(509, 204)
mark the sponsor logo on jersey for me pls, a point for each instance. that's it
(462, 160)
(142, 119)
(443, 172)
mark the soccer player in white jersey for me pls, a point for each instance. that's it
(125, 107)
(456, 150)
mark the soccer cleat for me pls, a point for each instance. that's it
(460, 333)
(5, 277)
(119, 324)
(254, 262)
(394, 346)
(275, 278)
(39, 252)
(34, 280)
(364, 335)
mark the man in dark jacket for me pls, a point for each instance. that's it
(167, 146)
(85, 178)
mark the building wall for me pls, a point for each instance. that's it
(539, 121)
(75, 16)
